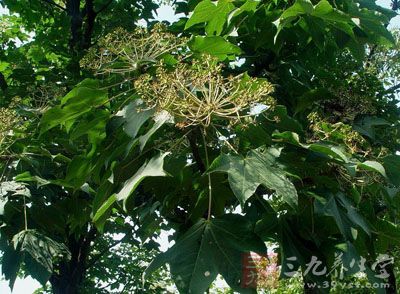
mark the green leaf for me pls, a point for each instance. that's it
(388, 234)
(134, 117)
(214, 45)
(325, 11)
(104, 207)
(248, 6)
(392, 167)
(210, 248)
(345, 215)
(203, 12)
(10, 265)
(159, 120)
(93, 128)
(42, 250)
(27, 177)
(372, 166)
(82, 99)
(77, 171)
(352, 213)
(214, 15)
(288, 137)
(36, 270)
(329, 150)
(285, 122)
(153, 168)
(298, 8)
(367, 125)
(310, 97)
(258, 168)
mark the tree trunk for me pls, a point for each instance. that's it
(391, 280)
(66, 284)
(69, 276)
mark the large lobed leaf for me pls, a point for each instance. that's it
(79, 101)
(210, 248)
(153, 168)
(257, 168)
(42, 251)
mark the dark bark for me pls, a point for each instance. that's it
(391, 280)
(395, 5)
(73, 11)
(69, 276)
(193, 142)
(89, 24)
(82, 23)
(3, 82)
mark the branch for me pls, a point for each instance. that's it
(55, 4)
(391, 89)
(105, 250)
(104, 7)
(195, 150)
(90, 18)
(375, 46)
(3, 82)
(395, 5)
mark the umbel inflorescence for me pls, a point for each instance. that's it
(194, 93)
(197, 93)
(122, 52)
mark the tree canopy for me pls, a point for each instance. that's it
(242, 124)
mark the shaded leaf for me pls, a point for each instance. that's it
(210, 248)
(134, 116)
(258, 168)
(214, 45)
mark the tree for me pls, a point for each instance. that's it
(279, 107)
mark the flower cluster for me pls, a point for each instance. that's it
(122, 52)
(197, 93)
(40, 97)
(8, 119)
(337, 132)
(347, 102)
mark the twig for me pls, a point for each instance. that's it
(195, 151)
(104, 7)
(25, 217)
(208, 175)
(97, 257)
(55, 4)
(392, 89)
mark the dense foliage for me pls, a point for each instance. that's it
(244, 122)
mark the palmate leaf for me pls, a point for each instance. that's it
(134, 117)
(10, 264)
(344, 214)
(257, 168)
(388, 234)
(79, 101)
(372, 166)
(153, 168)
(210, 248)
(42, 253)
(214, 15)
(327, 149)
(392, 167)
(215, 46)
(160, 119)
